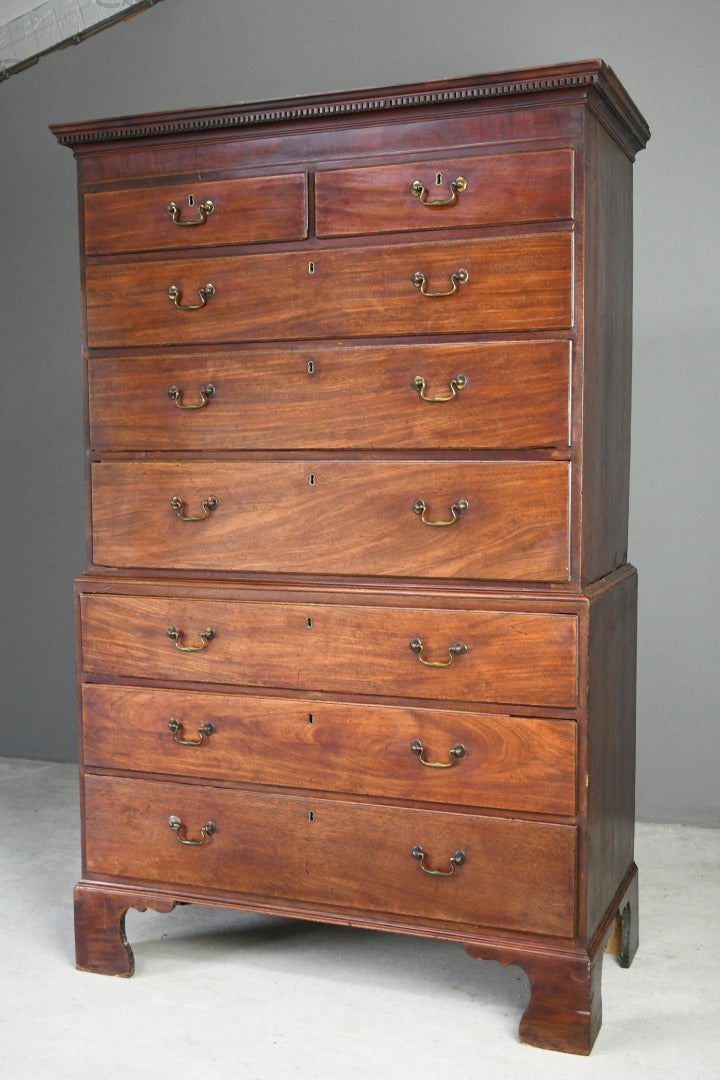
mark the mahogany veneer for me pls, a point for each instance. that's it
(509, 188)
(528, 658)
(509, 762)
(513, 283)
(521, 398)
(356, 642)
(242, 213)
(332, 517)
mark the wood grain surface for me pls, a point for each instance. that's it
(517, 874)
(509, 762)
(319, 397)
(520, 657)
(515, 283)
(336, 517)
(501, 189)
(245, 211)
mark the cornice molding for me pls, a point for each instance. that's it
(585, 74)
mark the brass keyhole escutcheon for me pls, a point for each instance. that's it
(309, 623)
(311, 367)
(311, 479)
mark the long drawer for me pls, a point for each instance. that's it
(507, 520)
(190, 214)
(513, 283)
(525, 658)
(492, 189)
(497, 395)
(430, 755)
(352, 856)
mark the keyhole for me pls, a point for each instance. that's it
(311, 816)
(311, 367)
(311, 479)
(308, 623)
(311, 268)
(310, 718)
(438, 179)
(191, 200)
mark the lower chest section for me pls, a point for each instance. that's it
(408, 763)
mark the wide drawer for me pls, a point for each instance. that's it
(285, 849)
(525, 658)
(506, 395)
(336, 517)
(465, 758)
(179, 215)
(493, 189)
(513, 283)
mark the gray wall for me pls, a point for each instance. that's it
(184, 53)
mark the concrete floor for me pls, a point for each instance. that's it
(224, 994)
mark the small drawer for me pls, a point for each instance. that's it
(523, 658)
(488, 395)
(496, 283)
(195, 214)
(429, 755)
(489, 189)
(287, 851)
(491, 520)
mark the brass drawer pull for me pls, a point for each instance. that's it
(210, 504)
(458, 648)
(206, 392)
(204, 210)
(458, 278)
(205, 636)
(454, 753)
(455, 860)
(419, 384)
(418, 189)
(175, 726)
(204, 292)
(207, 830)
(460, 507)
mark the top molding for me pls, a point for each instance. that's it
(560, 77)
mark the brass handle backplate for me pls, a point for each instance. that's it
(455, 860)
(210, 504)
(205, 636)
(175, 726)
(458, 648)
(460, 507)
(205, 208)
(418, 189)
(419, 280)
(204, 292)
(206, 392)
(207, 830)
(454, 754)
(459, 382)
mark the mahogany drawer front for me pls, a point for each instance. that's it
(514, 283)
(336, 517)
(507, 395)
(500, 761)
(516, 874)
(244, 211)
(498, 189)
(523, 658)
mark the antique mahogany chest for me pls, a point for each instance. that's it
(356, 641)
